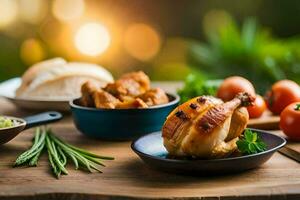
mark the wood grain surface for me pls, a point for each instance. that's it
(129, 178)
(267, 122)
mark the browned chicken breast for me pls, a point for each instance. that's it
(132, 90)
(206, 127)
(132, 103)
(87, 91)
(96, 97)
(131, 84)
(105, 100)
(154, 96)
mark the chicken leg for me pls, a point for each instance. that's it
(205, 127)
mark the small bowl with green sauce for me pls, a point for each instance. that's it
(10, 127)
(6, 122)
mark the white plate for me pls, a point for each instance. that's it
(8, 91)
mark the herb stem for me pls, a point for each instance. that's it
(55, 156)
(35, 149)
(58, 154)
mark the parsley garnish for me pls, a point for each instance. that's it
(251, 143)
(297, 107)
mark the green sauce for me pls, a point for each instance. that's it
(6, 122)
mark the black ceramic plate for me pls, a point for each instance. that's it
(151, 150)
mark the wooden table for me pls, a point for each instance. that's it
(128, 177)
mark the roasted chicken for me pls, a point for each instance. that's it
(206, 127)
(87, 91)
(132, 103)
(132, 90)
(104, 99)
(131, 84)
(154, 96)
(96, 97)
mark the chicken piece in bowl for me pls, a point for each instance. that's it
(132, 84)
(132, 90)
(122, 110)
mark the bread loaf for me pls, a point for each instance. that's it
(57, 79)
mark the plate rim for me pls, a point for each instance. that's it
(161, 106)
(11, 98)
(208, 160)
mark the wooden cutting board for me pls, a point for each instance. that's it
(128, 177)
(266, 122)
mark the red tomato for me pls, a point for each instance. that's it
(290, 121)
(258, 108)
(233, 85)
(282, 94)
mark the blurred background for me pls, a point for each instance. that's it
(168, 39)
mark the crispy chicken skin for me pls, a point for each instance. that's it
(132, 103)
(87, 91)
(103, 99)
(154, 96)
(206, 127)
(96, 97)
(132, 90)
(131, 84)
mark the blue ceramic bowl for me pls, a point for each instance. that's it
(121, 124)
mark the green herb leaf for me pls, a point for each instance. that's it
(250, 143)
(197, 85)
(297, 106)
(242, 145)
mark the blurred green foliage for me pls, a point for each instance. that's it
(250, 51)
(196, 85)
(10, 63)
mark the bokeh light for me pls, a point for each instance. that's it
(32, 51)
(34, 11)
(67, 10)
(171, 63)
(92, 39)
(8, 12)
(142, 41)
(214, 19)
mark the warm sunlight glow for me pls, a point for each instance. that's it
(66, 10)
(142, 41)
(8, 12)
(92, 39)
(32, 12)
(32, 51)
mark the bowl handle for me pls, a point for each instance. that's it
(42, 118)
